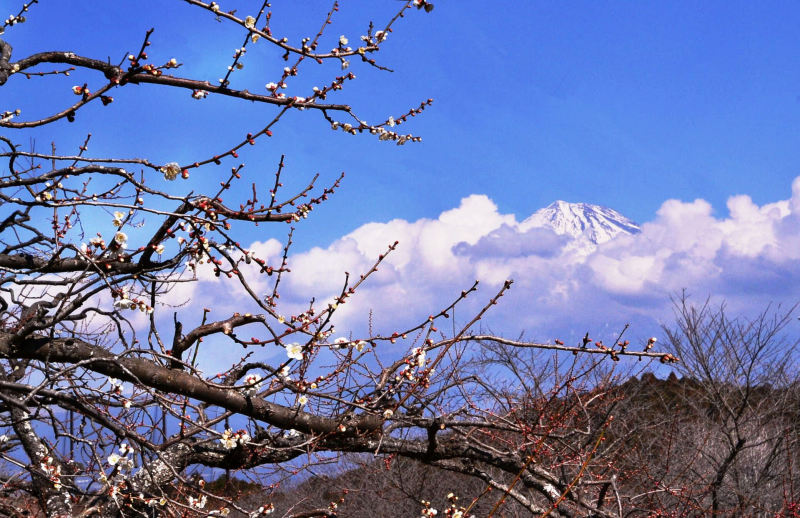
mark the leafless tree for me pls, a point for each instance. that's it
(722, 440)
(103, 405)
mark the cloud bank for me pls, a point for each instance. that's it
(748, 257)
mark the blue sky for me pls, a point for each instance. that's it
(627, 105)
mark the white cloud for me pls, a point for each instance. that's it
(748, 257)
(745, 257)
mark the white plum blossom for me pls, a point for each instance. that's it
(231, 439)
(294, 351)
(302, 400)
(125, 304)
(124, 301)
(52, 470)
(343, 40)
(250, 22)
(8, 115)
(253, 382)
(118, 217)
(419, 357)
(227, 440)
(428, 510)
(121, 460)
(171, 170)
(44, 196)
(198, 503)
(121, 238)
(116, 386)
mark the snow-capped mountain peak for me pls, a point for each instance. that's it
(588, 224)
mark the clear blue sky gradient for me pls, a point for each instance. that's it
(620, 104)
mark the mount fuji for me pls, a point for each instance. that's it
(587, 225)
(560, 229)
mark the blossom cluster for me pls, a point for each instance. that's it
(342, 342)
(8, 115)
(119, 219)
(231, 439)
(152, 502)
(302, 212)
(53, 471)
(46, 195)
(121, 461)
(97, 242)
(381, 132)
(116, 386)
(253, 384)
(197, 503)
(416, 360)
(452, 511)
(379, 37)
(13, 20)
(115, 389)
(419, 357)
(305, 319)
(263, 511)
(125, 302)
